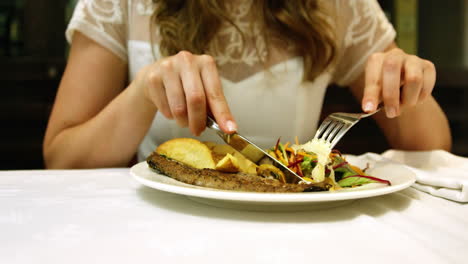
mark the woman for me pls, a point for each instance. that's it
(260, 66)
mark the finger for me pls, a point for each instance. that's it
(174, 91)
(391, 74)
(157, 93)
(214, 93)
(413, 81)
(429, 80)
(194, 93)
(373, 82)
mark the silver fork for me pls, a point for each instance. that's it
(335, 126)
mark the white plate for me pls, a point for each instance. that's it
(398, 175)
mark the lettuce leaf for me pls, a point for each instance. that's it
(354, 180)
(307, 165)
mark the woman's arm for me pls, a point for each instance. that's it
(95, 122)
(412, 119)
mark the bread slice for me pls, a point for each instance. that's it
(189, 151)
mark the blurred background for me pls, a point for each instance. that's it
(33, 54)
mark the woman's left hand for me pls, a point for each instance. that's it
(398, 80)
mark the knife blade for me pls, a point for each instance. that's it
(249, 149)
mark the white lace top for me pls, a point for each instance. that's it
(266, 102)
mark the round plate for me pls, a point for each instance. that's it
(398, 175)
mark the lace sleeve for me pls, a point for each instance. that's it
(362, 29)
(102, 21)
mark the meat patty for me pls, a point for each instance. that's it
(221, 180)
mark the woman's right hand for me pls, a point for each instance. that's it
(187, 87)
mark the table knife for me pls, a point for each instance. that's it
(249, 149)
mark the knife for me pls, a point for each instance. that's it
(249, 149)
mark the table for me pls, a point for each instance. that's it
(105, 216)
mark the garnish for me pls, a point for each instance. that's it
(318, 164)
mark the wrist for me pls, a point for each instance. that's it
(139, 89)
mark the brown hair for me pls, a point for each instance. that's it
(191, 25)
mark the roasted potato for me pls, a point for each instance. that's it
(245, 165)
(189, 151)
(228, 164)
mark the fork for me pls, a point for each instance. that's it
(335, 126)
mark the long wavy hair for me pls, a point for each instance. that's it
(191, 24)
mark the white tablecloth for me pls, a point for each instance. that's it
(105, 216)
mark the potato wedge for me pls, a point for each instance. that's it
(228, 164)
(245, 165)
(189, 151)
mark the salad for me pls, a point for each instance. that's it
(321, 166)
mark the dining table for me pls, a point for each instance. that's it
(107, 216)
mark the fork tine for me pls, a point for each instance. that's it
(329, 129)
(322, 127)
(340, 134)
(337, 124)
(335, 130)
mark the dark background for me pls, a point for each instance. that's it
(33, 56)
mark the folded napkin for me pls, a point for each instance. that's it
(438, 172)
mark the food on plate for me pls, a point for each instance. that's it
(228, 164)
(220, 166)
(217, 179)
(221, 150)
(270, 171)
(318, 164)
(188, 151)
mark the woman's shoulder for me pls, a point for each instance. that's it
(104, 21)
(350, 12)
(361, 28)
(114, 11)
(101, 12)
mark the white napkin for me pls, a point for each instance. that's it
(438, 172)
